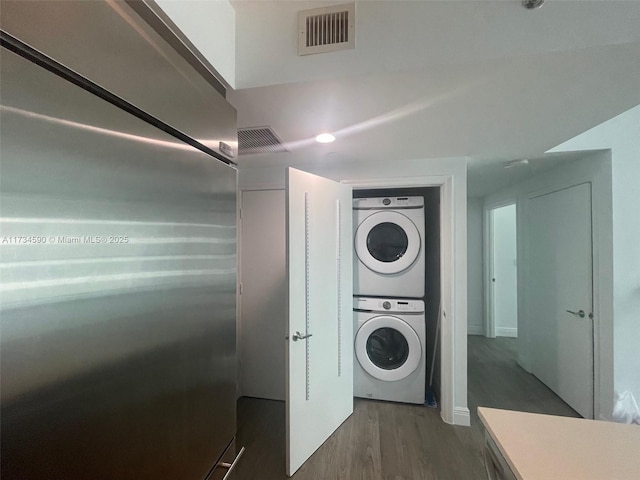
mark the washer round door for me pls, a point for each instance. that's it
(387, 242)
(388, 348)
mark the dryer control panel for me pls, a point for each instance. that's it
(389, 305)
(379, 203)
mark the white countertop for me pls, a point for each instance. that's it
(547, 447)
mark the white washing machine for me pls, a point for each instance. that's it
(389, 246)
(390, 349)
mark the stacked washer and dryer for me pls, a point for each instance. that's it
(389, 311)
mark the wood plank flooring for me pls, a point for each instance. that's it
(391, 441)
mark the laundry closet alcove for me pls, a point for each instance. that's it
(262, 301)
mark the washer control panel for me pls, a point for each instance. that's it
(392, 305)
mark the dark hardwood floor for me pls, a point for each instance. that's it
(390, 441)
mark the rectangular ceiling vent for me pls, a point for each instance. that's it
(327, 29)
(259, 140)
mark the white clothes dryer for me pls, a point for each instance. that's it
(390, 349)
(389, 244)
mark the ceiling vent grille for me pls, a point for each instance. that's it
(326, 29)
(259, 140)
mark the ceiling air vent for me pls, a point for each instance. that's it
(259, 140)
(326, 29)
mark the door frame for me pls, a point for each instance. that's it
(490, 327)
(453, 356)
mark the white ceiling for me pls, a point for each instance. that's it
(487, 80)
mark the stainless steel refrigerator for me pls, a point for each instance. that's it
(117, 248)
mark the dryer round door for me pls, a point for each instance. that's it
(387, 242)
(388, 348)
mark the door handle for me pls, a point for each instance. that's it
(231, 466)
(298, 336)
(579, 313)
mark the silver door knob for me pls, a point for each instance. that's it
(579, 313)
(298, 336)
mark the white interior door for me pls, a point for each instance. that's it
(559, 283)
(320, 309)
(504, 271)
(263, 293)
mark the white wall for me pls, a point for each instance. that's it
(621, 134)
(475, 299)
(594, 167)
(211, 26)
(454, 388)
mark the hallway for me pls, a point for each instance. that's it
(383, 440)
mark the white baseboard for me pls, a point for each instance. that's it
(506, 332)
(461, 416)
(475, 330)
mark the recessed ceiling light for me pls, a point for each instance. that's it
(325, 138)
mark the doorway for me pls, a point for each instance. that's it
(503, 272)
(432, 274)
